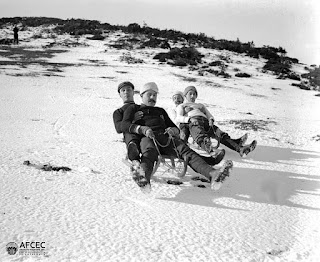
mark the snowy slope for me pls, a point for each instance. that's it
(268, 210)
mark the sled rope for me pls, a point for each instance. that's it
(156, 142)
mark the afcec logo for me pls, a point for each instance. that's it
(27, 248)
(12, 248)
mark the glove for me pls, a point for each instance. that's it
(172, 131)
(211, 122)
(137, 116)
(147, 131)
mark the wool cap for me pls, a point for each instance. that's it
(189, 88)
(149, 86)
(178, 93)
(123, 84)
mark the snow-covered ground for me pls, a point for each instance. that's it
(61, 114)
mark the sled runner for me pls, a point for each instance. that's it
(173, 163)
(169, 163)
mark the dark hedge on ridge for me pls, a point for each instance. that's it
(277, 61)
(82, 26)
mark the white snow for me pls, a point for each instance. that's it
(268, 210)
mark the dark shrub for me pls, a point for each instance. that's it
(278, 66)
(156, 42)
(79, 27)
(224, 74)
(181, 56)
(180, 62)
(313, 76)
(96, 37)
(162, 57)
(6, 41)
(294, 76)
(242, 75)
(301, 86)
(212, 71)
(216, 63)
(134, 28)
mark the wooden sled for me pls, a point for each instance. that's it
(168, 163)
(173, 164)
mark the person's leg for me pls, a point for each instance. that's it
(242, 140)
(184, 132)
(149, 156)
(173, 149)
(133, 146)
(199, 165)
(199, 135)
(195, 161)
(246, 149)
(202, 132)
(215, 158)
(218, 134)
(15, 39)
(235, 144)
(182, 151)
(225, 139)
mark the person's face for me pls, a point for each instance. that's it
(126, 94)
(191, 96)
(149, 98)
(177, 99)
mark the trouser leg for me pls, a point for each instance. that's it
(225, 139)
(184, 132)
(230, 143)
(182, 151)
(133, 146)
(149, 156)
(198, 133)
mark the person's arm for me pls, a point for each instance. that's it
(128, 126)
(171, 128)
(180, 115)
(127, 119)
(117, 119)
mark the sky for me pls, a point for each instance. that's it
(291, 24)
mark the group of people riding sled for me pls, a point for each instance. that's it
(149, 131)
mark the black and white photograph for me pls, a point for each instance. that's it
(160, 131)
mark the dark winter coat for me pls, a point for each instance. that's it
(158, 120)
(117, 120)
(154, 117)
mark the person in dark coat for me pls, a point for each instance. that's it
(15, 35)
(132, 141)
(155, 126)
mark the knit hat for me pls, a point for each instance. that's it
(178, 93)
(149, 86)
(189, 88)
(123, 84)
